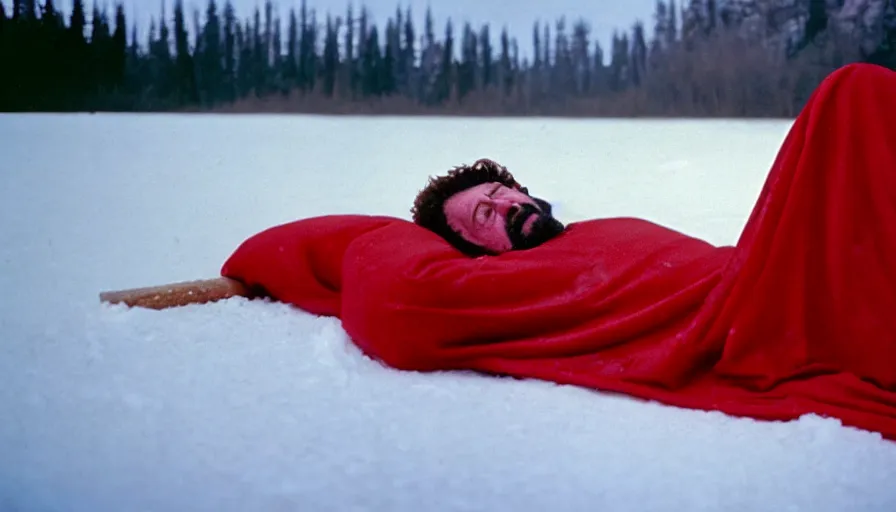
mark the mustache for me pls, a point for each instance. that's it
(544, 227)
(517, 217)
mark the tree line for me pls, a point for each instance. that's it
(697, 58)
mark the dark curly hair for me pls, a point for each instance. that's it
(428, 210)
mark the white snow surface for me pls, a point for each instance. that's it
(253, 405)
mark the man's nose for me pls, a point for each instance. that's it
(504, 206)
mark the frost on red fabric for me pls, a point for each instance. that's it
(796, 318)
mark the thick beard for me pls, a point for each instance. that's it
(544, 228)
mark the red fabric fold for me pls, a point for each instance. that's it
(793, 319)
(300, 263)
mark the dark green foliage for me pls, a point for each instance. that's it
(330, 58)
(688, 60)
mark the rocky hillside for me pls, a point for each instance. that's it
(792, 25)
(759, 58)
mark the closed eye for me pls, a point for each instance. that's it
(483, 213)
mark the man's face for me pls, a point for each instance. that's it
(499, 219)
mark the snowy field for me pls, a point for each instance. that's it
(240, 406)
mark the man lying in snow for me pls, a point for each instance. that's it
(796, 318)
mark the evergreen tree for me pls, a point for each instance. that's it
(672, 27)
(42, 67)
(387, 70)
(515, 67)
(291, 67)
(6, 68)
(408, 56)
(620, 71)
(119, 53)
(446, 66)
(265, 41)
(638, 54)
(162, 64)
(506, 64)
(429, 29)
(100, 51)
(350, 74)
(536, 46)
(277, 61)
(163, 45)
(228, 81)
(212, 58)
(599, 80)
(7, 64)
(267, 45)
(185, 74)
(246, 66)
(466, 75)
(430, 63)
(371, 64)
(259, 67)
(661, 27)
(305, 49)
(312, 56)
(563, 76)
(581, 62)
(330, 57)
(396, 54)
(134, 67)
(363, 80)
(486, 58)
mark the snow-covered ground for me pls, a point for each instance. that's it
(241, 405)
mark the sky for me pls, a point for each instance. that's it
(604, 16)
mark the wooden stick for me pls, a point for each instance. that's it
(178, 294)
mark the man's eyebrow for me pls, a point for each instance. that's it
(479, 205)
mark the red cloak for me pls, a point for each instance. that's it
(796, 318)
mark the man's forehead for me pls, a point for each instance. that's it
(474, 191)
(485, 188)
